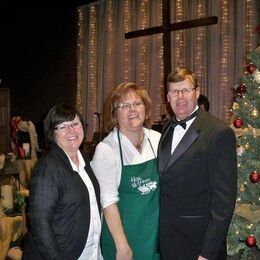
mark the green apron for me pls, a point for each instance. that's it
(139, 210)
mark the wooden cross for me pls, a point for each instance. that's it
(166, 29)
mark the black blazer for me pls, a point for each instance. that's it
(59, 210)
(198, 190)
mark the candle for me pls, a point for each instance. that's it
(26, 147)
(2, 161)
(2, 214)
(7, 196)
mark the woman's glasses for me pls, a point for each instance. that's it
(67, 127)
(128, 106)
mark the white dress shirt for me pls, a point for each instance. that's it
(179, 132)
(92, 249)
(106, 162)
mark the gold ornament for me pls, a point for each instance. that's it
(242, 188)
(235, 106)
(254, 113)
(256, 75)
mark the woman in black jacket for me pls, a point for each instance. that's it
(64, 208)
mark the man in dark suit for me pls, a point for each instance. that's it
(198, 176)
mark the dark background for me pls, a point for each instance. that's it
(38, 55)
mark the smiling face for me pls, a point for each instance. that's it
(185, 100)
(130, 118)
(69, 135)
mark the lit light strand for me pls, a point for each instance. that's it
(92, 75)
(79, 94)
(143, 43)
(200, 40)
(160, 95)
(138, 67)
(179, 35)
(109, 67)
(225, 50)
(127, 17)
(249, 26)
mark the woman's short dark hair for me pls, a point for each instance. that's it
(58, 115)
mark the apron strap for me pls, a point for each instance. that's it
(152, 147)
(120, 148)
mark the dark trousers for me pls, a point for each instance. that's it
(222, 254)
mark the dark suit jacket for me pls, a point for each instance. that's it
(59, 210)
(198, 190)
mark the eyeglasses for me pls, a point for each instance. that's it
(127, 106)
(66, 127)
(185, 92)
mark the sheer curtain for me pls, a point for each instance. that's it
(216, 53)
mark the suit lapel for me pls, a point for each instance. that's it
(164, 148)
(188, 139)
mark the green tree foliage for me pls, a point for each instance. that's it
(244, 232)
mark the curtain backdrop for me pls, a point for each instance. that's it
(216, 53)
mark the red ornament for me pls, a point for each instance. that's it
(241, 90)
(238, 123)
(254, 177)
(250, 68)
(251, 241)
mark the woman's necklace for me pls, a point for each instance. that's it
(139, 145)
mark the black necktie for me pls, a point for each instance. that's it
(182, 123)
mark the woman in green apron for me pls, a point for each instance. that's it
(126, 168)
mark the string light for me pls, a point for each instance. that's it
(249, 33)
(91, 70)
(225, 53)
(250, 226)
(161, 108)
(127, 16)
(200, 39)
(88, 81)
(143, 42)
(79, 93)
(109, 67)
(179, 36)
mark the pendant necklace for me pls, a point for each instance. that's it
(139, 145)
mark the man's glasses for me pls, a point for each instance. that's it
(185, 92)
(66, 127)
(127, 106)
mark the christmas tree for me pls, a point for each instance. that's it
(244, 232)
